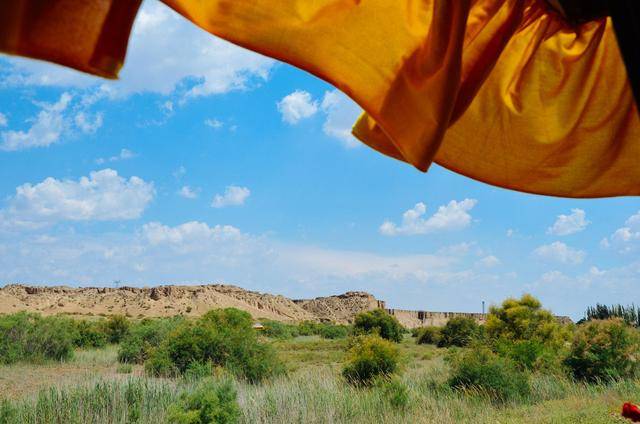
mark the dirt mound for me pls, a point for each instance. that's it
(187, 300)
(341, 308)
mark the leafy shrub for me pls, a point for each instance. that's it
(379, 322)
(309, 328)
(116, 328)
(160, 364)
(279, 330)
(222, 337)
(492, 375)
(89, 334)
(604, 350)
(197, 370)
(145, 336)
(524, 319)
(210, 403)
(368, 358)
(459, 331)
(428, 335)
(331, 331)
(31, 337)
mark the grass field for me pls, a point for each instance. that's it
(93, 387)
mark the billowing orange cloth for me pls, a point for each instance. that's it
(503, 91)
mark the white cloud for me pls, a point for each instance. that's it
(233, 196)
(188, 192)
(88, 124)
(297, 106)
(560, 252)
(125, 154)
(46, 129)
(569, 224)
(166, 54)
(103, 196)
(3, 120)
(341, 112)
(625, 238)
(489, 262)
(188, 233)
(453, 216)
(213, 123)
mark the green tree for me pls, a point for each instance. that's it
(604, 349)
(458, 331)
(379, 322)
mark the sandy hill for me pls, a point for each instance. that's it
(188, 300)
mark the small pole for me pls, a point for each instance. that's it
(483, 307)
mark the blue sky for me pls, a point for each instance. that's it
(208, 163)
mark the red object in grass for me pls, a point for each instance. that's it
(631, 412)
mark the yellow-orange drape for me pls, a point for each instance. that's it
(503, 91)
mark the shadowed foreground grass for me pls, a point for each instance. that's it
(313, 392)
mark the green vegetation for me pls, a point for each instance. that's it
(379, 322)
(459, 331)
(368, 358)
(630, 314)
(491, 375)
(31, 337)
(143, 337)
(604, 350)
(523, 366)
(222, 337)
(210, 403)
(428, 335)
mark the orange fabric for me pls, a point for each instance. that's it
(503, 91)
(88, 35)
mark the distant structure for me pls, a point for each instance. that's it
(413, 319)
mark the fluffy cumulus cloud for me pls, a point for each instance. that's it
(54, 121)
(232, 196)
(188, 192)
(560, 252)
(626, 238)
(341, 113)
(297, 106)
(3, 120)
(453, 216)
(569, 224)
(166, 54)
(102, 196)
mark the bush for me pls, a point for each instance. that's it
(603, 350)
(379, 322)
(279, 330)
(330, 331)
(368, 358)
(494, 376)
(428, 335)
(221, 337)
(145, 336)
(524, 319)
(309, 328)
(31, 337)
(459, 331)
(116, 328)
(210, 403)
(89, 334)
